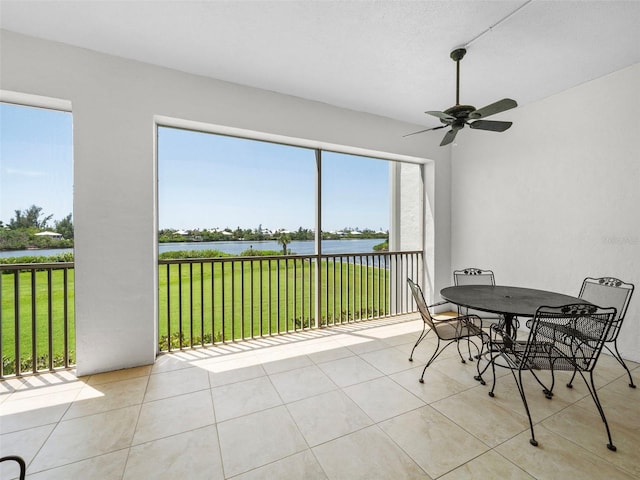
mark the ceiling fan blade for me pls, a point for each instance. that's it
(441, 115)
(448, 138)
(491, 125)
(497, 107)
(427, 130)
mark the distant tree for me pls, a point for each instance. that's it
(284, 239)
(65, 227)
(30, 218)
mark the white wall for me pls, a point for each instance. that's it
(114, 104)
(557, 197)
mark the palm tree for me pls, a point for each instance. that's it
(284, 239)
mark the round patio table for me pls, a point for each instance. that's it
(510, 302)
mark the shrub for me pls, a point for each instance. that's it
(192, 254)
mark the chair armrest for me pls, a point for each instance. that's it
(437, 304)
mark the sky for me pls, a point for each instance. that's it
(205, 181)
(36, 165)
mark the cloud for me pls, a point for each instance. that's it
(25, 173)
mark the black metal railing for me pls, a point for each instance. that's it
(208, 301)
(37, 327)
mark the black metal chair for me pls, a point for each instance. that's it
(450, 330)
(21, 464)
(475, 276)
(569, 337)
(611, 292)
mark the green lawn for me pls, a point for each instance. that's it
(204, 302)
(35, 312)
(231, 301)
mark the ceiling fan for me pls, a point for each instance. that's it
(458, 116)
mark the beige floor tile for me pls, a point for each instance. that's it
(255, 440)
(225, 373)
(119, 375)
(85, 437)
(35, 386)
(330, 352)
(366, 454)
(432, 440)
(488, 466)
(360, 344)
(435, 387)
(608, 369)
(388, 360)
(18, 413)
(194, 455)
(241, 398)
(349, 371)
(104, 467)
(169, 384)
(555, 457)
(477, 413)
(584, 428)
(24, 443)
(170, 362)
(327, 416)
(300, 466)
(621, 386)
(382, 398)
(540, 407)
(301, 383)
(174, 415)
(11, 385)
(618, 407)
(404, 339)
(70, 427)
(107, 396)
(272, 364)
(463, 373)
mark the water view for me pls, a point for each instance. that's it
(364, 245)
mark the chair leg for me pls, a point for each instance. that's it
(533, 440)
(618, 357)
(570, 384)
(492, 362)
(433, 357)
(479, 356)
(594, 395)
(548, 392)
(459, 352)
(420, 338)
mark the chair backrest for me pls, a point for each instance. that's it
(608, 292)
(576, 332)
(416, 291)
(473, 276)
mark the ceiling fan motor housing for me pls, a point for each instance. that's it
(460, 111)
(458, 54)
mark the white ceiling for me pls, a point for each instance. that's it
(389, 58)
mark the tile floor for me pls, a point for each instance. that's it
(340, 403)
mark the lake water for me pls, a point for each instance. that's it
(364, 245)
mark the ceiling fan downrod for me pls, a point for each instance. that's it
(456, 56)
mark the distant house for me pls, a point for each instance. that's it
(182, 233)
(51, 235)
